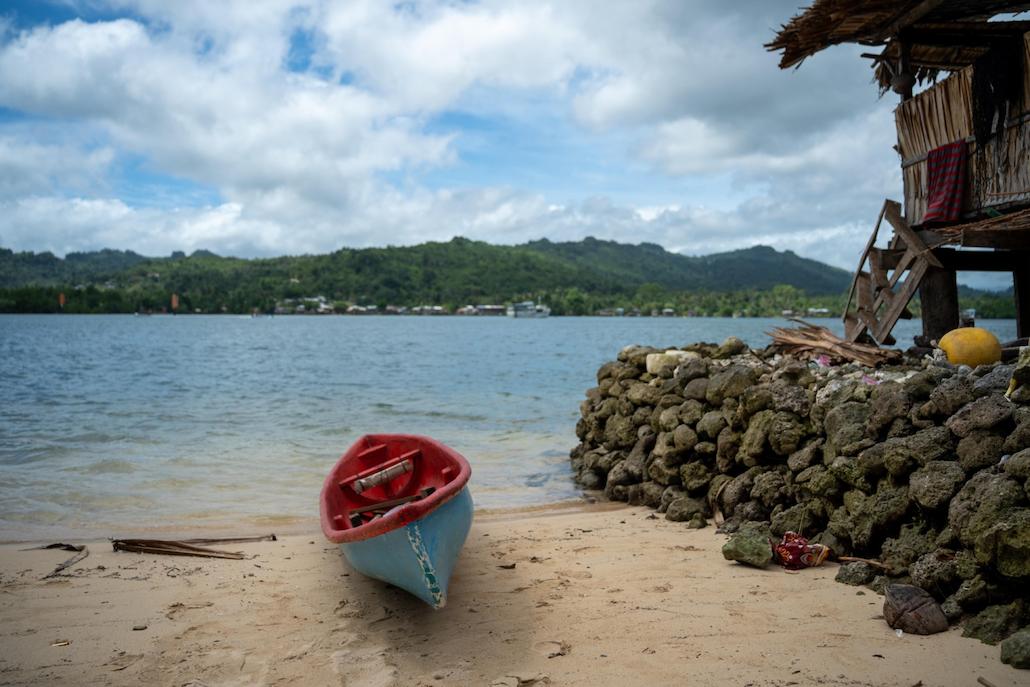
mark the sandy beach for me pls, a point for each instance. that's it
(598, 595)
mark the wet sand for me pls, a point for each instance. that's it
(599, 595)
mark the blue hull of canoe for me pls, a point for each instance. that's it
(420, 556)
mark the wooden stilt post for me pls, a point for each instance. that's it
(1021, 289)
(938, 295)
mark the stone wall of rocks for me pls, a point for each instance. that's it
(923, 467)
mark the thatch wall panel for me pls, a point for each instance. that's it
(943, 114)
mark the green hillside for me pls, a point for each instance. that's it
(758, 267)
(23, 269)
(575, 278)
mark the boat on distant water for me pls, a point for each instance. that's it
(400, 509)
(528, 309)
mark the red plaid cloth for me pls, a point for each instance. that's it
(946, 180)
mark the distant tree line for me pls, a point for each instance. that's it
(573, 278)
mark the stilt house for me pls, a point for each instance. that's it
(964, 147)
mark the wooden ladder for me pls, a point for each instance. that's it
(880, 294)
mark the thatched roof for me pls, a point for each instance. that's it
(941, 34)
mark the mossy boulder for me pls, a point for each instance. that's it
(669, 419)
(785, 433)
(903, 455)
(664, 470)
(936, 572)
(978, 450)
(739, 489)
(791, 398)
(913, 541)
(806, 456)
(948, 397)
(1005, 544)
(1015, 650)
(711, 424)
(856, 573)
(995, 623)
(755, 439)
(845, 426)
(729, 382)
(696, 389)
(981, 503)
(868, 517)
(730, 347)
(695, 476)
(749, 545)
(620, 431)
(685, 508)
(726, 448)
(890, 402)
(684, 438)
(1018, 465)
(803, 517)
(933, 485)
(983, 413)
(755, 398)
(641, 394)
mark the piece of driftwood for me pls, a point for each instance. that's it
(232, 540)
(172, 548)
(812, 341)
(867, 561)
(81, 551)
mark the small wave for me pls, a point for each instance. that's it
(107, 466)
(537, 479)
(22, 456)
(90, 438)
(443, 414)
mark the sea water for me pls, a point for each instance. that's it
(117, 425)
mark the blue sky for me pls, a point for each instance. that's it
(284, 127)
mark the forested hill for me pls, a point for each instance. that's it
(758, 267)
(456, 271)
(23, 269)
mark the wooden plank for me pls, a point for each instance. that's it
(907, 234)
(889, 258)
(1007, 239)
(866, 311)
(876, 268)
(864, 291)
(983, 261)
(906, 18)
(938, 294)
(887, 297)
(905, 263)
(852, 327)
(861, 260)
(1021, 289)
(900, 301)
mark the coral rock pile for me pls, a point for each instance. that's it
(923, 467)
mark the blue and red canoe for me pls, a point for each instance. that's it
(400, 509)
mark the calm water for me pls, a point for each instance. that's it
(111, 425)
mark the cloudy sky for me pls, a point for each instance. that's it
(278, 127)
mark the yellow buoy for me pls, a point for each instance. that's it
(971, 346)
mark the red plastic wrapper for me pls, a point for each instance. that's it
(794, 552)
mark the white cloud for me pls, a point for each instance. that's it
(28, 167)
(303, 161)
